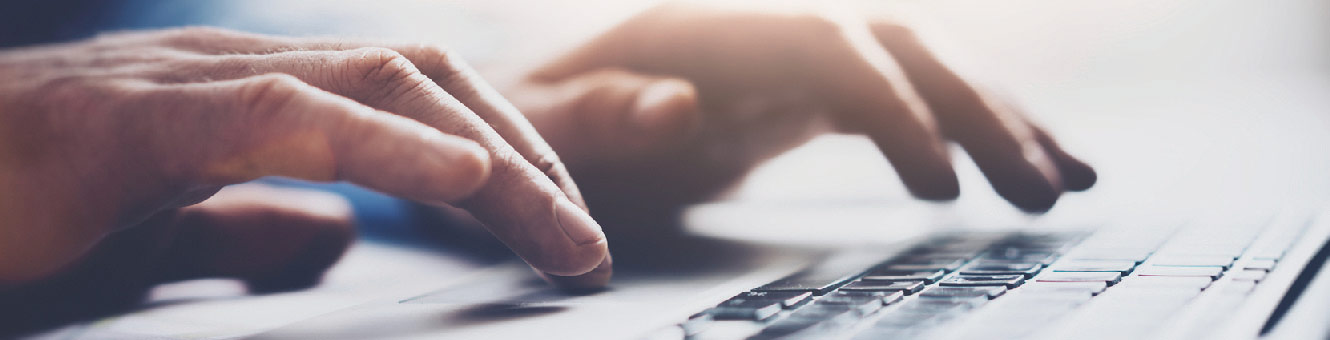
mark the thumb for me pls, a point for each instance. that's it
(271, 238)
(274, 239)
(608, 113)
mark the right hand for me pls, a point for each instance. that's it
(101, 136)
(694, 96)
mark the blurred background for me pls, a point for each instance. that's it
(1202, 104)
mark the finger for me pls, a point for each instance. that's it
(275, 239)
(462, 82)
(520, 204)
(1076, 175)
(451, 73)
(1000, 142)
(872, 95)
(591, 281)
(112, 276)
(276, 125)
(660, 105)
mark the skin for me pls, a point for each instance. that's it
(667, 97)
(143, 126)
(142, 129)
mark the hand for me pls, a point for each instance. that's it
(681, 101)
(274, 239)
(126, 133)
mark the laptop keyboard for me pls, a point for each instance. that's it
(1118, 283)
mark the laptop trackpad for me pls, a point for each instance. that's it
(508, 301)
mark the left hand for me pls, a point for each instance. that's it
(681, 101)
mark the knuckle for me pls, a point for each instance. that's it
(78, 93)
(450, 63)
(383, 72)
(381, 65)
(61, 88)
(472, 171)
(194, 35)
(40, 110)
(819, 25)
(437, 54)
(204, 32)
(269, 94)
(549, 164)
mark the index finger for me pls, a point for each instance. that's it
(871, 95)
(520, 204)
(443, 67)
(999, 141)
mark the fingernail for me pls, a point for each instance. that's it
(593, 281)
(576, 224)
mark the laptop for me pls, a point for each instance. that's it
(1209, 221)
(1229, 278)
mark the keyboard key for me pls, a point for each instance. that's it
(890, 275)
(1239, 287)
(1037, 297)
(1272, 253)
(1109, 278)
(788, 299)
(907, 287)
(1219, 249)
(988, 268)
(862, 304)
(745, 309)
(784, 328)
(1265, 265)
(861, 307)
(824, 276)
(854, 296)
(887, 333)
(1192, 261)
(901, 319)
(903, 267)
(952, 306)
(696, 323)
(1137, 255)
(1122, 315)
(1049, 244)
(1167, 281)
(990, 292)
(964, 253)
(1247, 275)
(824, 313)
(1143, 297)
(1092, 287)
(1018, 256)
(1009, 281)
(809, 321)
(1209, 272)
(887, 297)
(805, 283)
(941, 260)
(1123, 267)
